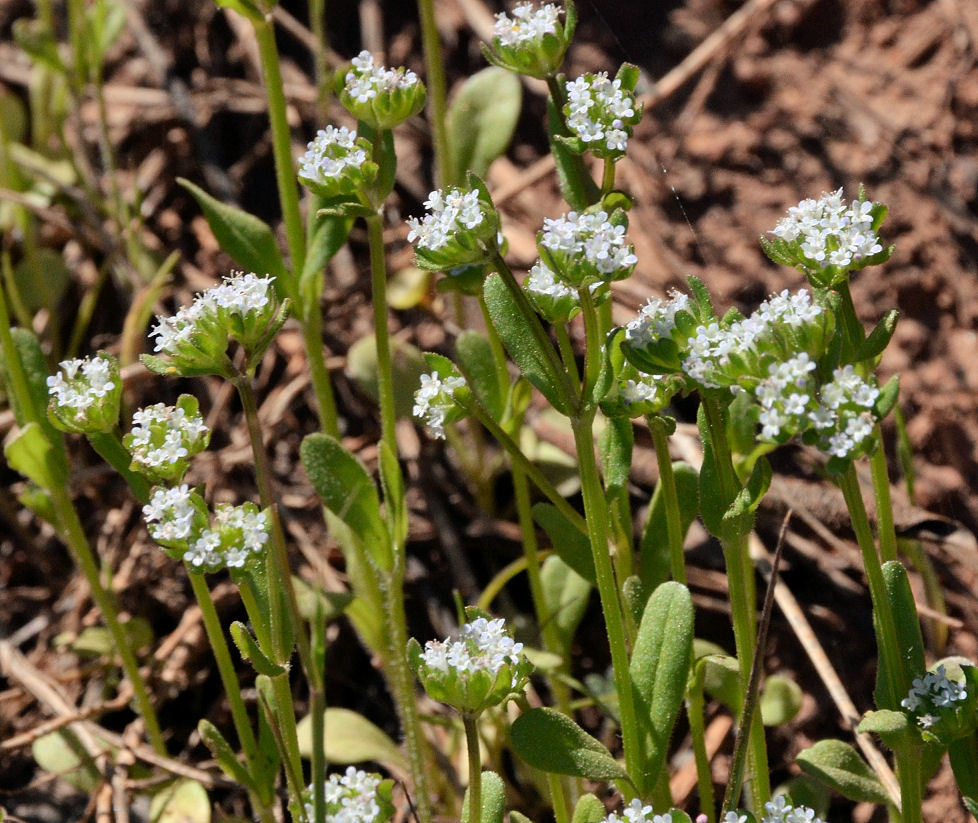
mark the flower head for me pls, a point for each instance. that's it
(355, 797)
(460, 228)
(481, 668)
(780, 811)
(533, 41)
(164, 438)
(601, 112)
(244, 307)
(85, 394)
(380, 96)
(237, 536)
(554, 299)
(433, 403)
(336, 163)
(175, 516)
(844, 418)
(828, 237)
(582, 248)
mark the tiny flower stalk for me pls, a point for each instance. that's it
(437, 92)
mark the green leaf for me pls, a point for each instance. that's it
(474, 355)
(351, 738)
(576, 184)
(908, 639)
(889, 392)
(42, 278)
(61, 753)
(32, 454)
(347, 490)
(481, 119)
(326, 236)
(654, 547)
(552, 742)
(313, 600)
(566, 595)
(893, 728)
(222, 752)
(589, 809)
(615, 449)
(721, 679)
(183, 801)
(780, 700)
(39, 42)
(842, 768)
(245, 8)
(878, 338)
(738, 520)
(571, 545)
(659, 669)
(97, 641)
(35, 368)
(493, 801)
(514, 329)
(246, 238)
(251, 651)
(407, 366)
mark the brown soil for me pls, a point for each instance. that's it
(816, 94)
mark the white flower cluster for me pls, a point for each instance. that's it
(365, 80)
(643, 390)
(483, 645)
(170, 514)
(527, 24)
(935, 690)
(332, 152)
(162, 435)
(600, 111)
(449, 212)
(656, 319)
(350, 798)
(82, 383)
(785, 397)
(795, 309)
(780, 811)
(239, 293)
(637, 812)
(433, 401)
(544, 283)
(239, 533)
(734, 817)
(844, 418)
(832, 232)
(591, 236)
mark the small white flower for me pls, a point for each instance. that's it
(450, 211)
(734, 817)
(587, 240)
(483, 645)
(162, 436)
(656, 319)
(365, 80)
(600, 112)
(81, 383)
(433, 400)
(935, 690)
(350, 798)
(780, 811)
(527, 24)
(334, 151)
(170, 514)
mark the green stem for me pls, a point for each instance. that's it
(608, 177)
(855, 332)
(593, 349)
(285, 175)
(321, 382)
(378, 284)
(249, 596)
(558, 798)
(77, 542)
(110, 449)
(697, 732)
(911, 795)
(885, 623)
(435, 85)
(596, 515)
(670, 499)
(317, 25)
(471, 724)
(567, 353)
(225, 666)
(885, 526)
(402, 684)
(496, 347)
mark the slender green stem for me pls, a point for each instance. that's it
(249, 596)
(697, 732)
(885, 526)
(317, 25)
(670, 499)
(911, 796)
(402, 684)
(532, 471)
(855, 332)
(558, 798)
(435, 85)
(225, 666)
(593, 350)
(608, 177)
(885, 623)
(322, 384)
(285, 712)
(110, 449)
(471, 724)
(77, 542)
(567, 353)
(596, 515)
(496, 346)
(378, 284)
(285, 175)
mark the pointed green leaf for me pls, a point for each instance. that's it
(576, 184)
(659, 669)
(566, 595)
(325, 237)
(481, 119)
(841, 767)
(878, 338)
(894, 728)
(513, 327)
(32, 454)
(552, 742)
(909, 639)
(475, 360)
(222, 752)
(493, 800)
(351, 738)
(589, 809)
(245, 238)
(571, 545)
(348, 491)
(251, 651)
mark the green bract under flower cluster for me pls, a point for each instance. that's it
(164, 438)
(244, 308)
(85, 394)
(178, 520)
(482, 668)
(533, 41)
(380, 97)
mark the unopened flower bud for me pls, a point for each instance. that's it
(85, 394)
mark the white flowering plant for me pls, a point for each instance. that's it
(534, 40)
(85, 394)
